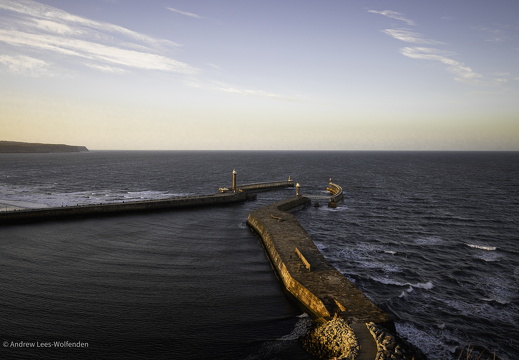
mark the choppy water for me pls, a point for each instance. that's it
(430, 237)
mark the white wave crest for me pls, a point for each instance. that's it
(387, 281)
(428, 340)
(24, 197)
(482, 247)
(301, 328)
(428, 285)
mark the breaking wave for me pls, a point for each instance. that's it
(482, 247)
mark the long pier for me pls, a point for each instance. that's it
(266, 186)
(346, 323)
(223, 197)
(257, 187)
(44, 214)
(320, 288)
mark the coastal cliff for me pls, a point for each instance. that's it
(12, 147)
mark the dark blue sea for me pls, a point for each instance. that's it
(430, 237)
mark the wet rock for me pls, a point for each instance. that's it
(391, 347)
(333, 339)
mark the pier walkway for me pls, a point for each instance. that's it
(224, 197)
(265, 186)
(107, 209)
(320, 289)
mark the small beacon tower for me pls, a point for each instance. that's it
(298, 190)
(233, 186)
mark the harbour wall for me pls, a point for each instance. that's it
(25, 216)
(337, 194)
(258, 187)
(320, 289)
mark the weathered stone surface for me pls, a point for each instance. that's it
(321, 291)
(333, 339)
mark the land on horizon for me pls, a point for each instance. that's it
(12, 147)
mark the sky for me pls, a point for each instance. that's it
(261, 75)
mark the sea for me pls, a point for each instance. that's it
(430, 237)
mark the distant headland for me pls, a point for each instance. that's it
(23, 147)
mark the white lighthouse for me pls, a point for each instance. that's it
(233, 187)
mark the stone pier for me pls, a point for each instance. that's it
(340, 311)
(237, 193)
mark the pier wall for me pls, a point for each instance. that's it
(24, 216)
(269, 223)
(337, 194)
(225, 196)
(316, 285)
(266, 186)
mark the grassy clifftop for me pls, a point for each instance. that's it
(22, 147)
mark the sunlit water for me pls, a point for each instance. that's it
(429, 237)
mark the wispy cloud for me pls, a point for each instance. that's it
(409, 36)
(31, 13)
(35, 28)
(99, 53)
(24, 65)
(184, 13)
(497, 34)
(462, 72)
(394, 15)
(106, 68)
(42, 40)
(232, 89)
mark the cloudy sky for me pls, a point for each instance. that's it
(251, 74)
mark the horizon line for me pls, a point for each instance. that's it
(317, 150)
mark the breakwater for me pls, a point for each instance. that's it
(335, 197)
(337, 194)
(266, 186)
(224, 196)
(343, 315)
(24, 216)
(320, 288)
